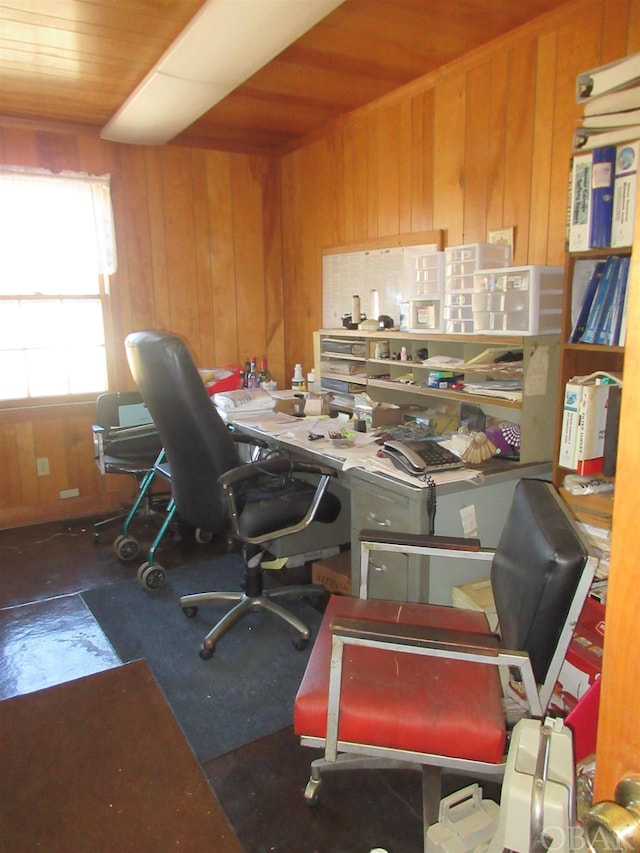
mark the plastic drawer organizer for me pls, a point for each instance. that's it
(460, 265)
(517, 300)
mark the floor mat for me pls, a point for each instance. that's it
(245, 691)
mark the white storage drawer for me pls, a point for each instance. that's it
(523, 300)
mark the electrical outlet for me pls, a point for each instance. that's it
(42, 466)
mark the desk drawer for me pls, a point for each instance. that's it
(388, 573)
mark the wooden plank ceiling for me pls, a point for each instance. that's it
(76, 61)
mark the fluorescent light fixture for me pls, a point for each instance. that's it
(222, 46)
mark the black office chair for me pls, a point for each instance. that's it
(126, 441)
(213, 490)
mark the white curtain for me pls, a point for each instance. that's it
(73, 217)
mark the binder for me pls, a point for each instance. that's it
(612, 120)
(611, 431)
(580, 323)
(601, 301)
(592, 425)
(580, 202)
(607, 78)
(612, 102)
(625, 186)
(568, 455)
(602, 177)
(586, 138)
(618, 303)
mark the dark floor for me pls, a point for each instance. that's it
(48, 635)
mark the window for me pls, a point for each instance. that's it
(57, 249)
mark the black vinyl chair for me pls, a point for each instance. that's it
(126, 441)
(213, 490)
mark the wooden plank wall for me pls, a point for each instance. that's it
(225, 249)
(482, 144)
(199, 253)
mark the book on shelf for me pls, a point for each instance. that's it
(601, 300)
(611, 431)
(587, 284)
(613, 323)
(607, 121)
(602, 177)
(625, 186)
(612, 102)
(580, 202)
(584, 421)
(568, 453)
(619, 74)
(587, 138)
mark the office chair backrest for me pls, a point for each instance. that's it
(198, 444)
(126, 409)
(536, 570)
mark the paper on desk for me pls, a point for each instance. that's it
(380, 465)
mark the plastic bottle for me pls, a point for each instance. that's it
(311, 380)
(297, 382)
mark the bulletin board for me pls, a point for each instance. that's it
(380, 271)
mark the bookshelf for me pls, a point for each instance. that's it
(579, 359)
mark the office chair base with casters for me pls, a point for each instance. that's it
(250, 599)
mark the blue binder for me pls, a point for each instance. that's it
(601, 301)
(602, 177)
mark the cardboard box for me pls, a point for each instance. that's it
(334, 573)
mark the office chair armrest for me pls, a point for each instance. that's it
(451, 547)
(277, 467)
(366, 632)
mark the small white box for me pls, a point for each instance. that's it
(425, 314)
(465, 822)
(518, 300)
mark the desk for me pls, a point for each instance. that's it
(380, 498)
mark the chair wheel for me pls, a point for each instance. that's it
(300, 643)
(190, 611)
(203, 536)
(152, 576)
(126, 547)
(206, 653)
(312, 792)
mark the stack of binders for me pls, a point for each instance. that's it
(605, 159)
(601, 316)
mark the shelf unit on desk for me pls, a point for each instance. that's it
(535, 413)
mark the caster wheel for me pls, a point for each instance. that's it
(300, 643)
(203, 536)
(189, 612)
(152, 576)
(205, 653)
(126, 547)
(312, 792)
